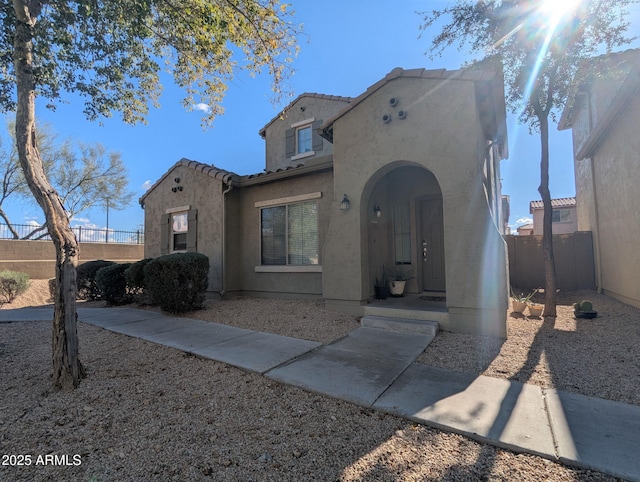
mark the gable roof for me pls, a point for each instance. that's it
(207, 169)
(489, 89)
(631, 82)
(284, 111)
(563, 202)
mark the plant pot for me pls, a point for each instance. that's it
(518, 306)
(585, 314)
(381, 292)
(396, 287)
(535, 310)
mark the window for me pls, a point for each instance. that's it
(303, 139)
(289, 234)
(179, 229)
(402, 233)
(561, 216)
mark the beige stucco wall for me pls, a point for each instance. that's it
(201, 192)
(565, 227)
(608, 194)
(38, 258)
(441, 132)
(318, 108)
(243, 237)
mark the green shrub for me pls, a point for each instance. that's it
(113, 285)
(177, 282)
(87, 287)
(12, 284)
(134, 275)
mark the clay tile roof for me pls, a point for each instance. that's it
(209, 169)
(563, 202)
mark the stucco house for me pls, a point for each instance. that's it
(604, 116)
(563, 216)
(404, 175)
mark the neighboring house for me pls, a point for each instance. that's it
(604, 117)
(404, 175)
(525, 230)
(563, 218)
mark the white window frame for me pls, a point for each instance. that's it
(299, 126)
(173, 232)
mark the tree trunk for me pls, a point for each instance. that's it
(67, 369)
(547, 224)
(10, 227)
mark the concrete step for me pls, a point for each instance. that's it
(400, 325)
(439, 315)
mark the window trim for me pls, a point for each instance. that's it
(172, 233)
(286, 202)
(559, 210)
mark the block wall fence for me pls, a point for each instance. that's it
(38, 258)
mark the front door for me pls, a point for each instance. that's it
(431, 244)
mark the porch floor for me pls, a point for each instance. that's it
(410, 306)
(412, 301)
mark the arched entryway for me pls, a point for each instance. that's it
(405, 227)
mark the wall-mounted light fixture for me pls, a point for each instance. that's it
(377, 211)
(345, 204)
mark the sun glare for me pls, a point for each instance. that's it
(556, 9)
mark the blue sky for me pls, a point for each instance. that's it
(346, 48)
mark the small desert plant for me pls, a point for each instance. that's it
(177, 282)
(584, 305)
(12, 284)
(87, 287)
(522, 297)
(400, 274)
(113, 285)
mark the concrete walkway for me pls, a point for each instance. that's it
(375, 368)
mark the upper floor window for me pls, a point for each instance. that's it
(561, 216)
(303, 139)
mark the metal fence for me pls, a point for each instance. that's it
(83, 234)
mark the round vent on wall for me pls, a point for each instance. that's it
(402, 114)
(386, 118)
(393, 101)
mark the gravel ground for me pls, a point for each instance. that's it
(148, 412)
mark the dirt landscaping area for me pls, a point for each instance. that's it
(148, 412)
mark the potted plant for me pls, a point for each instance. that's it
(535, 310)
(381, 286)
(398, 279)
(584, 309)
(520, 301)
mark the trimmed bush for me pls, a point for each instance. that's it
(177, 282)
(87, 287)
(12, 284)
(113, 285)
(134, 275)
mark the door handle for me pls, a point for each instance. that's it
(424, 250)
